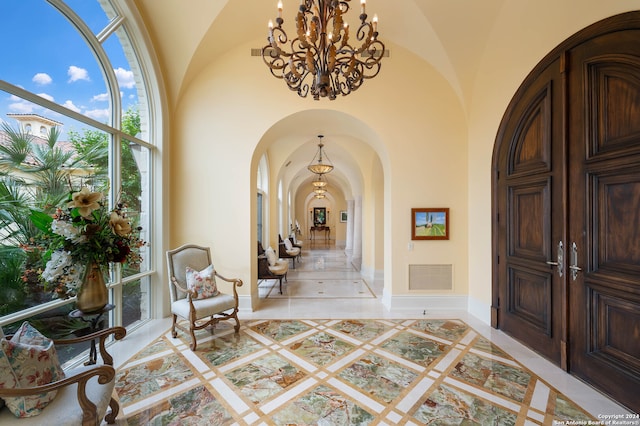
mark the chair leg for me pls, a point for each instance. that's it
(280, 278)
(110, 418)
(193, 344)
(237, 326)
(174, 333)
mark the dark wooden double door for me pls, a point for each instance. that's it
(566, 211)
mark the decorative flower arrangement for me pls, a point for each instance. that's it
(82, 232)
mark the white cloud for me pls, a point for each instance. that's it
(76, 73)
(98, 114)
(69, 104)
(46, 96)
(42, 79)
(125, 78)
(102, 97)
(21, 107)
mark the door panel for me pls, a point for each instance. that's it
(529, 298)
(605, 181)
(530, 211)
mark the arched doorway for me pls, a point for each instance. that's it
(289, 145)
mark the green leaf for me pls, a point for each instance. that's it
(74, 213)
(41, 220)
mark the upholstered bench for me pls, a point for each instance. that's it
(270, 267)
(287, 251)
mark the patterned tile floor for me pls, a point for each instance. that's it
(337, 372)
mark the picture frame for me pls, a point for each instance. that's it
(319, 216)
(430, 223)
(343, 215)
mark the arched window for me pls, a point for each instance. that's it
(84, 78)
(262, 202)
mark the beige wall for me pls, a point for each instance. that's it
(433, 150)
(414, 125)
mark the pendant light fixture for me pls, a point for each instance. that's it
(318, 166)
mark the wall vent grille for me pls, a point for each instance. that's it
(430, 277)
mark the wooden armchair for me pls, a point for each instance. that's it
(83, 395)
(200, 313)
(286, 253)
(267, 271)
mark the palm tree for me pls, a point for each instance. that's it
(34, 174)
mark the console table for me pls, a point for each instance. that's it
(325, 229)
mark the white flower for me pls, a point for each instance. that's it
(68, 231)
(73, 277)
(60, 260)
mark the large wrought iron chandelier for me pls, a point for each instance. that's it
(323, 59)
(319, 167)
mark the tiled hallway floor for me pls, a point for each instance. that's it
(337, 372)
(310, 357)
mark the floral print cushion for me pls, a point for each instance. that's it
(28, 359)
(202, 282)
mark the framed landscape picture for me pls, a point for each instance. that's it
(430, 224)
(343, 215)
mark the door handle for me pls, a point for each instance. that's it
(574, 262)
(560, 257)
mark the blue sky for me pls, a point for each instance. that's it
(44, 54)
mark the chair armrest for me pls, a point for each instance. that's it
(236, 283)
(105, 374)
(263, 268)
(190, 293)
(101, 336)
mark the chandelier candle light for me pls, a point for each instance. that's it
(322, 61)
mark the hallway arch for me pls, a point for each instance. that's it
(358, 156)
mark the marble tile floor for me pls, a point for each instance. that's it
(307, 360)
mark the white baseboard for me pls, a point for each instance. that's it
(244, 303)
(425, 303)
(480, 310)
